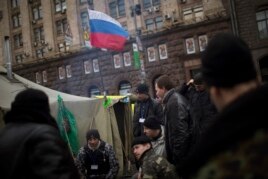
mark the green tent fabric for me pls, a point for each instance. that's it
(67, 125)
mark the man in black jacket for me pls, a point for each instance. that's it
(176, 113)
(235, 146)
(144, 107)
(202, 110)
(30, 142)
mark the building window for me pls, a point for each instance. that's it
(60, 5)
(61, 26)
(121, 8)
(93, 91)
(187, 14)
(262, 22)
(37, 12)
(112, 7)
(196, 14)
(18, 41)
(40, 53)
(152, 24)
(15, 3)
(16, 20)
(117, 8)
(39, 34)
(159, 22)
(149, 3)
(84, 20)
(146, 4)
(149, 24)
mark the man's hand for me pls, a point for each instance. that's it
(190, 82)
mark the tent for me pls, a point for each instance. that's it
(89, 112)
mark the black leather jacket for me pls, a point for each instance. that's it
(177, 132)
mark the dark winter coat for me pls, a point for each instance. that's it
(177, 133)
(236, 144)
(151, 108)
(31, 147)
(202, 110)
(103, 157)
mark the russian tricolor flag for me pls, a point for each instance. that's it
(106, 32)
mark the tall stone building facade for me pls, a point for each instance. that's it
(49, 40)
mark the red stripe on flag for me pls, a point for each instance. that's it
(109, 41)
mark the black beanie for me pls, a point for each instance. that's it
(141, 140)
(32, 99)
(93, 133)
(32, 103)
(227, 61)
(198, 79)
(152, 123)
(142, 88)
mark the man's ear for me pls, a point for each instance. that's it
(148, 146)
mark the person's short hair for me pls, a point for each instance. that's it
(198, 79)
(142, 89)
(93, 133)
(227, 61)
(141, 140)
(152, 123)
(164, 82)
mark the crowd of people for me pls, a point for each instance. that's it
(213, 126)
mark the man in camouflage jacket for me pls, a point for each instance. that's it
(151, 165)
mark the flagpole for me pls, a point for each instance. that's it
(102, 83)
(139, 43)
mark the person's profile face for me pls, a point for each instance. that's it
(139, 149)
(160, 92)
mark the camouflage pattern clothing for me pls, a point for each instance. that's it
(154, 166)
(247, 161)
(100, 163)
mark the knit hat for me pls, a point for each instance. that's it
(141, 140)
(227, 61)
(198, 79)
(152, 123)
(32, 103)
(142, 88)
(93, 133)
(32, 99)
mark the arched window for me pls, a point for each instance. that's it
(124, 87)
(93, 91)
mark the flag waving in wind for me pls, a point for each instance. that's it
(106, 32)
